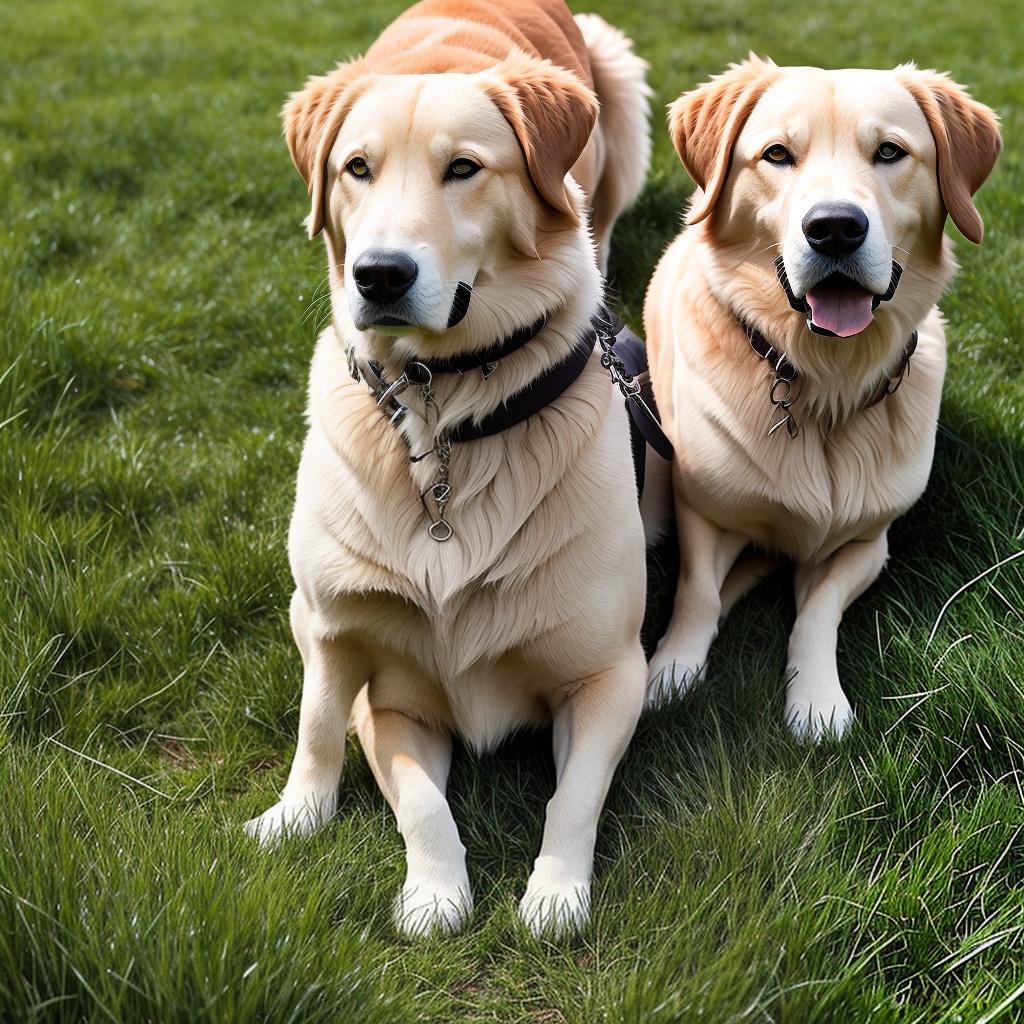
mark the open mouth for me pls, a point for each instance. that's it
(391, 321)
(837, 306)
(840, 305)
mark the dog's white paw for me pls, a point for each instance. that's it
(289, 818)
(426, 905)
(669, 676)
(555, 903)
(812, 720)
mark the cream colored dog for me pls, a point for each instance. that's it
(442, 159)
(816, 187)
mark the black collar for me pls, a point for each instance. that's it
(785, 375)
(486, 360)
(538, 393)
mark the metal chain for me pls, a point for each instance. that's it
(418, 376)
(630, 386)
(440, 491)
(782, 398)
(780, 387)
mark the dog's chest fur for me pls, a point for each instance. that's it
(805, 497)
(515, 586)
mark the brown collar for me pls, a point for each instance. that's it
(785, 376)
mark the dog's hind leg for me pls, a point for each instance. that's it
(815, 703)
(706, 554)
(333, 672)
(410, 762)
(591, 730)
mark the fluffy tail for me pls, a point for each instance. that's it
(620, 81)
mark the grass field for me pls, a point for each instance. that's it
(157, 296)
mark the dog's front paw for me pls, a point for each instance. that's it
(669, 676)
(289, 818)
(555, 902)
(812, 719)
(426, 905)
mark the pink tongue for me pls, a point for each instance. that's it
(843, 309)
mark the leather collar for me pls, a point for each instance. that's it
(538, 393)
(486, 360)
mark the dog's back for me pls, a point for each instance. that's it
(468, 36)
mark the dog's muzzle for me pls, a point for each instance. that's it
(801, 305)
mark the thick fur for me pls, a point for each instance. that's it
(825, 499)
(512, 622)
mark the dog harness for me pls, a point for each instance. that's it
(623, 355)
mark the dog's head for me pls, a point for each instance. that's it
(428, 185)
(841, 174)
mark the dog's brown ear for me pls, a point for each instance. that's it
(552, 113)
(967, 142)
(312, 119)
(705, 122)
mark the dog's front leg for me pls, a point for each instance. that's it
(333, 673)
(815, 703)
(706, 554)
(591, 730)
(410, 762)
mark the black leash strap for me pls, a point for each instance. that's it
(624, 356)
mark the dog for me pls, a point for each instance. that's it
(464, 587)
(796, 350)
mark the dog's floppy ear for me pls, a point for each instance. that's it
(705, 122)
(312, 119)
(552, 113)
(967, 142)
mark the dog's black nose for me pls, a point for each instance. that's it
(384, 275)
(835, 229)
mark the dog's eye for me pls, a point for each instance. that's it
(778, 154)
(461, 168)
(889, 153)
(358, 167)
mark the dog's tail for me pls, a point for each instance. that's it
(620, 81)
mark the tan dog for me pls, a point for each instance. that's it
(439, 168)
(812, 184)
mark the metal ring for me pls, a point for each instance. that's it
(787, 398)
(418, 374)
(394, 388)
(440, 530)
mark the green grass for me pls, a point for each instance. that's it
(158, 313)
